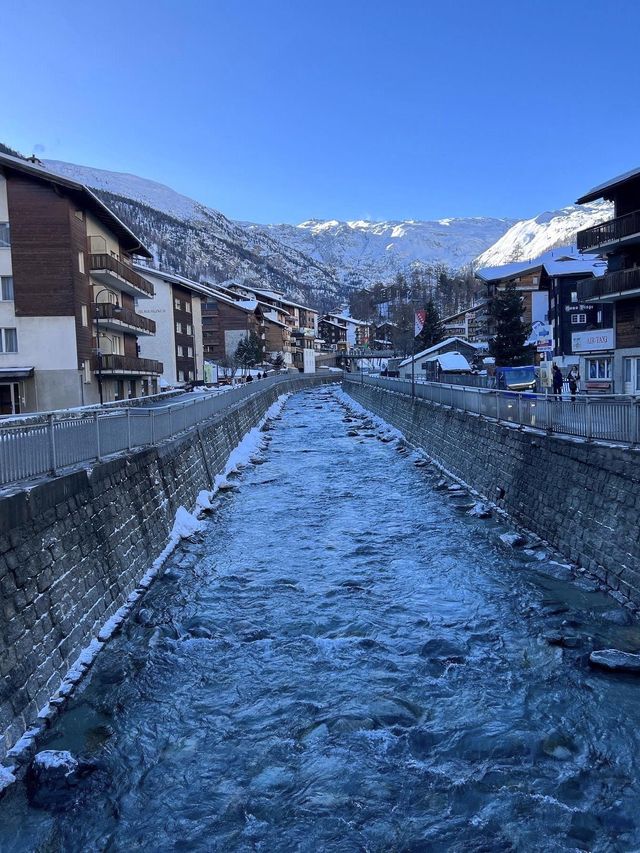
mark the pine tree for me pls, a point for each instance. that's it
(433, 330)
(249, 351)
(508, 347)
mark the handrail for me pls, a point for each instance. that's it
(605, 232)
(68, 439)
(620, 281)
(592, 417)
(124, 363)
(111, 311)
(107, 262)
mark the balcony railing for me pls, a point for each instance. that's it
(127, 365)
(612, 286)
(110, 313)
(609, 232)
(120, 271)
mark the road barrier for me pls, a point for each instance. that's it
(46, 444)
(604, 418)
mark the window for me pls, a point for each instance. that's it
(599, 368)
(84, 313)
(181, 376)
(5, 237)
(189, 329)
(187, 307)
(574, 295)
(8, 340)
(599, 317)
(6, 288)
(190, 352)
(177, 304)
(178, 328)
(578, 318)
(81, 261)
(78, 215)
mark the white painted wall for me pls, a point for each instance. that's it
(160, 346)
(196, 305)
(105, 241)
(5, 254)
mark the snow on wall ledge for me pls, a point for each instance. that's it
(77, 551)
(583, 499)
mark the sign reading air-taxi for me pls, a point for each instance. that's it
(594, 341)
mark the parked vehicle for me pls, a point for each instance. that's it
(516, 378)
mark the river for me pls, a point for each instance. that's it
(346, 661)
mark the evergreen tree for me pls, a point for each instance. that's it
(278, 361)
(249, 351)
(433, 330)
(508, 347)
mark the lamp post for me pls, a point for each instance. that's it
(116, 309)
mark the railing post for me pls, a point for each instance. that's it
(497, 393)
(633, 426)
(520, 409)
(589, 419)
(153, 426)
(170, 420)
(96, 421)
(129, 427)
(53, 461)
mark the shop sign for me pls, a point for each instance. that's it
(597, 340)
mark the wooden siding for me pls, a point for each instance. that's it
(42, 249)
(628, 323)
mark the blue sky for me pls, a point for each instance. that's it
(280, 111)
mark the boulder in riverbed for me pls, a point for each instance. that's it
(615, 661)
(513, 540)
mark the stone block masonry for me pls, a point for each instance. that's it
(583, 499)
(73, 548)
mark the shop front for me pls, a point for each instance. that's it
(596, 352)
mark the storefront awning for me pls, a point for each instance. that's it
(10, 373)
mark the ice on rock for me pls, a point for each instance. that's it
(513, 540)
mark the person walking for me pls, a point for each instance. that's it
(557, 382)
(574, 378)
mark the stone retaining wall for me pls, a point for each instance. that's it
(582, 498)
(73, 548)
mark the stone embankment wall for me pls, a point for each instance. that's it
(584, 499)
(73, 548)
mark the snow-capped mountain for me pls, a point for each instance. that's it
(362, 253)
(199, 242)
(531, 238)
(319, 261)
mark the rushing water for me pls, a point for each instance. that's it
(348, 662)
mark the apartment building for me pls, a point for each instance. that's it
(226, 321)
(611, 358)
(69, 330)
(176, 309)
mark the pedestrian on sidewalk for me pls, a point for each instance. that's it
(557, 382)
(574, 378)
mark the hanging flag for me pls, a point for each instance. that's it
(421, 316)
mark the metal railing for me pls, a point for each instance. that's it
(60, 440)
(109, 312)
(604, 418)
(613, 229)
(621, 281)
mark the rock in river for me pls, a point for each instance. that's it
(615, 660)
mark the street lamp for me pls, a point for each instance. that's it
(116, 310)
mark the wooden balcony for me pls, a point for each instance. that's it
(112, 272)
(621, 230)
(111, 316)
(624, 284)
(126, 365)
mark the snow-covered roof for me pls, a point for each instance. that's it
(451, 361)
(601, 191)
(173, 278)
(105, 214)
(556, 262)
(248, 305)
(271, 317)
(435, 348)
(331, 323)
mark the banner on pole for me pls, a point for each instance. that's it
(420, 318)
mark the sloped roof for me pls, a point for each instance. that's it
(88, 198)
(174, 278)
(602, 190)
(452, 361)
(436, 348)
(556, 262)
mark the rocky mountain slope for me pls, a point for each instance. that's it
(192, 239)
(318, 261)
(360, 253)
(531, 238)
